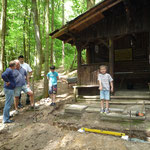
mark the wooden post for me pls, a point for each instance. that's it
(149, 49)
(88, 56)
(79, 63)
(111, 57)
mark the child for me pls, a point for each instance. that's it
(52, 77)
(105, 86)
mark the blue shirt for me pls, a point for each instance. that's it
(7, 76)
(52, 76)
(20, 77)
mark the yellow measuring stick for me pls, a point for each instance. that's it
(103, 132)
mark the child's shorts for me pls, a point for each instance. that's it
(53, 89)
(105, 95)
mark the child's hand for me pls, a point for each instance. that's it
(100, 88)
(112, 90)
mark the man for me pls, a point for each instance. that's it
(9, 86)
(21, 79)
(29, 73)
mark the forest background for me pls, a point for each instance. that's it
(25, 26)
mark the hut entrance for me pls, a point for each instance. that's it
(131, 61)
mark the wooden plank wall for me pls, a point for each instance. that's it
(115, 22)
(89, 74)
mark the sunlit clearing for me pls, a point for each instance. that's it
(68, 10)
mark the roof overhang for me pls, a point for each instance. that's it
(93, 15)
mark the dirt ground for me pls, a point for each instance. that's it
(56, 131)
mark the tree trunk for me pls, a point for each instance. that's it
(38, 39)
(29, 39)
(90, 3)
(63, 22)
(43, 37)
(46, 49)
(2, 35)
(52, 29)
(24, 33)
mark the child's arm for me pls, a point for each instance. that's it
(57, 77)
(111, 86)
(100, 85)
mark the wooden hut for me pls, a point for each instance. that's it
(115, 33)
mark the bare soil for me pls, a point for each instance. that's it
(54, 130)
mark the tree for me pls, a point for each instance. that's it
(63, 22)
(52, 29)
(46, 49)
(2, 34)
(24, 32)
(90, 3)
(38, 39)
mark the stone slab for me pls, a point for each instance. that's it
(97, 110)
(92, 110)
(74, 108)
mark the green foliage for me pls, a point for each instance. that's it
(20, 37)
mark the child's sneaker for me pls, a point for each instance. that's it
(102, 110)
(53, 104)
(106, 111)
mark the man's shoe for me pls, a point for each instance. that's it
(28, 103)
(34, 107)
(20, 106)
(9, 121)
(16, 112)
(11, 116)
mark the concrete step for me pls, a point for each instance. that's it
(115, 113)
(121, 117)
(147, 97)
(117, 101)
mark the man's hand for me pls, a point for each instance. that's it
(100, 88)
(28, 85)
(7, 83)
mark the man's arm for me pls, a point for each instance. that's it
(5, 77)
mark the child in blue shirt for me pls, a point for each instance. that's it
(52, 76)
